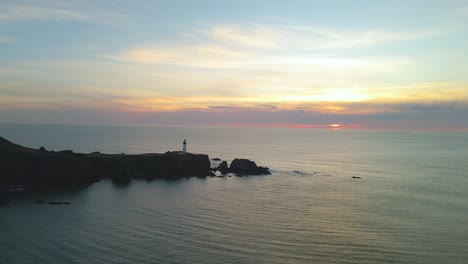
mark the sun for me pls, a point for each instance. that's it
(334, 126)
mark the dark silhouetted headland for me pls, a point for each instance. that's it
(23, 167)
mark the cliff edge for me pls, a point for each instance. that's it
(31, 168)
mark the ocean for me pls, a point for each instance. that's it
(410, 205)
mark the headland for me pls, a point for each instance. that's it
(26, 168)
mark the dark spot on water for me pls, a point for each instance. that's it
(58, 203)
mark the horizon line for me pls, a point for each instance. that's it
(329, 126)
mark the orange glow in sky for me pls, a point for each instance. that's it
(286, 125)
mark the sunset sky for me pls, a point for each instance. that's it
(368, 64)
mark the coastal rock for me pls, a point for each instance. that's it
(216, 159)
(223, 167)
(263, 170)
(247, 167)
(243, 165)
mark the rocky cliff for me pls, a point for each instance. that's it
(26, 167)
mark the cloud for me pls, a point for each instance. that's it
(270, 46)
(269, 62)
(57, 11)
(188, 55)
(252, 36)
(199, 91)
(195, 70)
(403, 116)
(323, 84)
(19, 12)
(462, 10)
(219, 57)
(227, 42)
(318, 38)
(306, 37)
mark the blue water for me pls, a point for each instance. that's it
(411, 205)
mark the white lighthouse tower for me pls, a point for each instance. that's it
(184, 146)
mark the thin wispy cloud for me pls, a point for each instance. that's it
(251, 36)
(57, 11)
(39, 13)
(317, 38)
(312, 79)
(240, 45)
(462, 10)
(274, 48)
(209, 55)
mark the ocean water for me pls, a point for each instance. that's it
(410, 206)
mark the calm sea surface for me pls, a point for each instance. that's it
(411, 205)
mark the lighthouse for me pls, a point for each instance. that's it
(184, 146)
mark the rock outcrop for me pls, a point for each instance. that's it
(247, 167)
(223, 167)
(242, 167)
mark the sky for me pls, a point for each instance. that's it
(361, 64)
